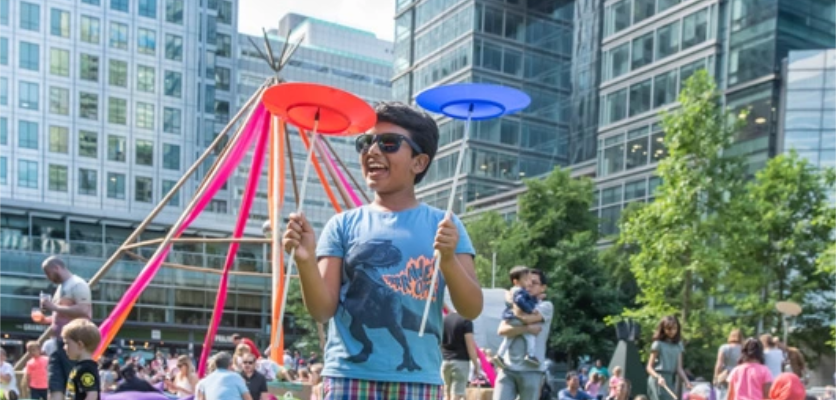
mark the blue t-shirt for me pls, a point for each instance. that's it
(222, 384)
(565, 394)
(387, 268)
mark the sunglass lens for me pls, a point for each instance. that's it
(389, 143)
(362, 143)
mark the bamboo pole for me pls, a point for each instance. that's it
(118, 253)
(152, 242)
(292, 163)
(197, 269)
(347, 171)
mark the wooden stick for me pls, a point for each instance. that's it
(197, 269)
(151, 242)
(141, 228)
(670, 392)
(292, 168)
(347, 171)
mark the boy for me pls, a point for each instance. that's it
(518, 297)
(81, 337)
(370, 272)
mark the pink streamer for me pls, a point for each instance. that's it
(343, 181)
(243, 216)
(147, 274)
(487, 368)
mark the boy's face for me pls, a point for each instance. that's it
(73, 348)
(524, 281)
(386, 172)
(34, 351)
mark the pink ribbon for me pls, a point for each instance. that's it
(243, 216)
(343, 181)
(147, 274)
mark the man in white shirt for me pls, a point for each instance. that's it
(8, 381)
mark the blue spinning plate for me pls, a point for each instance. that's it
(478, 100)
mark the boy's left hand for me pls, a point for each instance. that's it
(446, 238)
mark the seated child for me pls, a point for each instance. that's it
(519, 298)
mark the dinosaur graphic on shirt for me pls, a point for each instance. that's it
(373, 305)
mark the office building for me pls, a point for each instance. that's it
(526, 45)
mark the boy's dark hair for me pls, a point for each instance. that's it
(421, 127)
(518, 272)
(539, 274)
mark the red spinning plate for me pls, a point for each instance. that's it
(340, 113)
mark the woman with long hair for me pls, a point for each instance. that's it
(750, 379)
(185, 379)
(727, 358)
(665, 361)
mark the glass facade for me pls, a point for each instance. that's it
(809, 119)
(527, 46)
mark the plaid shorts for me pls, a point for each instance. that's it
(356, 389)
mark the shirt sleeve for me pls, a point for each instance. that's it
(655, 346)
(546, 309)
(81, 292)
(242, 386)
(331, 242)
(468, 326)
(766, 374)
(465, 246)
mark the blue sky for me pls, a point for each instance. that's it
(375, 16)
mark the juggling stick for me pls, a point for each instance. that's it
(468, 101)
(447, 215)
(670, 392)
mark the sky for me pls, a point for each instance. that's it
(376, 16)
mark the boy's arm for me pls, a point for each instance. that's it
(321, 286)
(92, 396)
(507, 330)
(458, 270)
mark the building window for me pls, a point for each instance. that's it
(658, 149)
(57, 178)
(143, 189)
(89, 29)
(118, 73)
(89, 68)
(3, 168)
(87, 181)
(615, 108)
(173, 84)
(171, 156)
(642, 51)
(637, 148)
(667, 40)
(4, 131)
(172, 120)
(29, 56)
(88, 105)
(118, 35)
(144, 152)
(115, 186)
(148, 8)
(640, 97)
(617, 17)
(91, 2)
(27, 174)
(224, 45)
(695, 29)
(4, 91)
(217, 206)
(175, 199)
(618, 61)
(174, 11)
(29, 96)
(145, 78)
(173, 47)
(117, 111)
(4, 51)
(30, 20)
(4, 12)
(116, 148)
(147, 41)
(120, 5)
(59, 62)
(59, 139)
(225, 12)
(664, 89)
(144, 115)
(27, 137)
(88, 144)
(59, 24)
(222, 78)
(59, 100)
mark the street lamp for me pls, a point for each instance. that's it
(788, 309)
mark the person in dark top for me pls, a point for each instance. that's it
(573, 389)
(130, 382)
(256, 382)
(457, 348)
(81, 337)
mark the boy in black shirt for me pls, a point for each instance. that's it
(81, 337)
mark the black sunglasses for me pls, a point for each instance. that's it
(248, 362)
(386, 142)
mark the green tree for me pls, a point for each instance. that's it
(789, 222)
(487, 233)
(679, 257)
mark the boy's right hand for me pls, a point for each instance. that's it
(300, 236)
